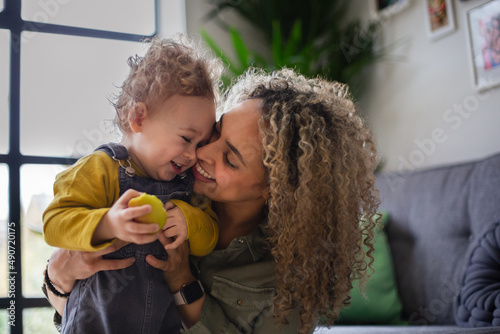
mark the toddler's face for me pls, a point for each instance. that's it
(169, 135)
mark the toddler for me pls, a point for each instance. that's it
(166, 109)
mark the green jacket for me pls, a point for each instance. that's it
(239, 283)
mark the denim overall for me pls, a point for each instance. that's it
(135, 299)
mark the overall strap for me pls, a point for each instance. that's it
(118, 153)
(114, 150)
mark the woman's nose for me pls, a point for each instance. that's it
(205, 153)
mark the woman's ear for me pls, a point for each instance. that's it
(266, 193)
(136, 117)
(267, 197)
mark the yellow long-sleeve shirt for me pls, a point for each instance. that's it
(84, 193)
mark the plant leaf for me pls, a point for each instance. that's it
(276, 46)
(294, 40)
(218, 51)
(240, 48)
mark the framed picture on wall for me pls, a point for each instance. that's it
(386, 8)
(484, 43)
(439, 18)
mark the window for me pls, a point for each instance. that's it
(131, 16)
(36, 194)
(4, 214)
(80, 111)
(4, 89)
(60, 63)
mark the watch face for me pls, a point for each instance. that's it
(192, 292)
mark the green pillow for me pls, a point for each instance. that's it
(382, 304)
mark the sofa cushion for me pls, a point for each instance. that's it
(382, 304)
(434, 215)
(478, 303)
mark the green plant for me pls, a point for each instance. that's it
(314, 37)
(284, 52)
(244, 57)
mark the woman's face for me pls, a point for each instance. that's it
(230, 168)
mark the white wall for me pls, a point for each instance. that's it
(412, 103)
(171, 17)
(424, 110)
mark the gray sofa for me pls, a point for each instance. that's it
(436, 217)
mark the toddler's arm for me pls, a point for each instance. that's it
(83, 194)
(83, 197)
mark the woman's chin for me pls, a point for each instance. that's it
(201, 187)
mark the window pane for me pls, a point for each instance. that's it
(2, 4)
(129, 16)
(38, 320)
(36, 193)
(66, 84)
(4, 214)
(4, 89)
(4, 326)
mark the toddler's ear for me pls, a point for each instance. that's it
(136, 117)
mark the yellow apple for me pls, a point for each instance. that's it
(157, 215)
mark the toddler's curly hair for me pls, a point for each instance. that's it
(169, 67)
(320, 159)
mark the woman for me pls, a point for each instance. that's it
(289, 172)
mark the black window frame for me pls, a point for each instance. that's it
(10, 19)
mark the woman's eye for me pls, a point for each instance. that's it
(227, 162)
(187, 139)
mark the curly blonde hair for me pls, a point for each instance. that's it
(169, 67)
(320, 158)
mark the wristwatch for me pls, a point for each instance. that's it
(189, 293)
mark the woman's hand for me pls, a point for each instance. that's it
(65, 266)
(177, 273)
(176, 269)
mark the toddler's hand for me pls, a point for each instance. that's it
(119, 222)
(176, 226)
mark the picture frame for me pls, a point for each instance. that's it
(439, 18)
(387, 8)
(483, 29)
